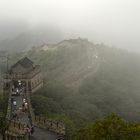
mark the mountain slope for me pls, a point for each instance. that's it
(69, 61)
(84, 82)
(104, 79)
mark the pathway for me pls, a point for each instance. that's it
(39, 134)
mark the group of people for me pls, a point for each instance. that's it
(18, 88)
(24, 107)
(16, 110)
(19, 110)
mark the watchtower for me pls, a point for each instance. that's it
(27, 73)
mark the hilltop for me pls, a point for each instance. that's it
(69, 61)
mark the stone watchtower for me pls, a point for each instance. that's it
(25, 72)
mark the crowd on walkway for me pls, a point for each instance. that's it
(18, 90)
(18, 111)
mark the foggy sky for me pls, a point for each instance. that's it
(112, 22)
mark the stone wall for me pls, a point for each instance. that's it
(16, 127)
(50, 125)
(36, 82)
(8, 115)
(40, 85)
(45, 123)
(11, 137)
(16, 130)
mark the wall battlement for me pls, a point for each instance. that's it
(50, 125)
(17, 130)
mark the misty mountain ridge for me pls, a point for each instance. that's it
(84, 81)
(27, 39)
(89, 78)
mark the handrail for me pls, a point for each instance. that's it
(54, 126)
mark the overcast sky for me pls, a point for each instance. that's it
(112, 22)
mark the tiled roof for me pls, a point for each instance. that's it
(25, 62)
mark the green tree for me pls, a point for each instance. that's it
(112, 127)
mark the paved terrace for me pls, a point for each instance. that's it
(39, 134)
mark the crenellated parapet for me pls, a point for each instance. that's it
(16, 130)
(20, 130)
(9, 136)
(16, 127)
(50, 125)
(45, 123)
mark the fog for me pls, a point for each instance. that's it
(112, 22)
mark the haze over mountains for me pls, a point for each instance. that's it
(87, 52)
(28, 38)
(84, 82)
(114, 23)
(87, 78)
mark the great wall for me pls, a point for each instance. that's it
(44, 128)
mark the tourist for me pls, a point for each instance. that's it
(14, 114)
(30, 120)
(15, 104)
(23, 107)
(18, 114)
(17, 91)
(24, 100)
(13, 88)
(26, 106)
(32, 130)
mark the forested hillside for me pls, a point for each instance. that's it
(84, 82)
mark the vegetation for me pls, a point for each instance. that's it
(84, 82)
(111, 128)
